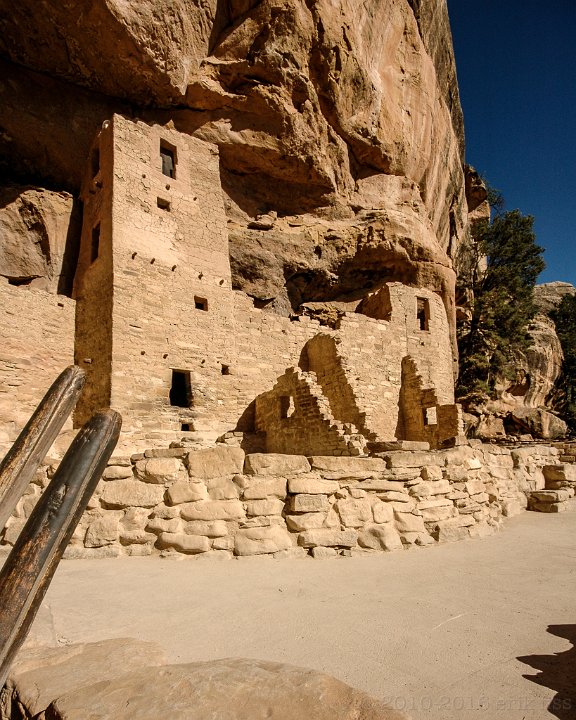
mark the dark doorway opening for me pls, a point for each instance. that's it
(168, 156)
(422, 313)
(181, 389)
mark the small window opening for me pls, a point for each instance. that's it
(286, 407)
(95, 161)
(225, 369)
(181, 389)
(163, 204)
(95, 244)
(168, 157)
(200, 303)
(185, 427)
(422, 313)
(430, 417)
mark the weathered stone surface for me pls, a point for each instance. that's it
(431, 472)
(160, 470)
(275, 464)
(40, 675)
(137, 537)
(346, 465)
(305, 521)
(222, 489)
(354, 513)
(438, 513)
(450, 533)
(382, 512)
(395, 496)
(547, 507)
(215, 462)
(378, 484)
(430, 489)
(323, 553)
(160, 525)
(212, 529)
(190, 544)
(270, 506)
(538, 422)
(183, 491)
(328, 538)
(551, 495)
(212, 510)
(260, 489)
(232, 688)
(560, 472)
(312, 486)
(308, 503)
(380, 537)
(408, 522)
(102, 531)
(260, 541)
(127, 493)
(13, 529)
(511, 507)
(117, 472)
(403, 459)
(34, 225)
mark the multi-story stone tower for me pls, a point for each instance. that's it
(153, 288)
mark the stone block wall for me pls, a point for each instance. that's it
(37, 331)
(219, 502)
(155, 309)
(297, 418)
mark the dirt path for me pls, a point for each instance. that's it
(437, 632)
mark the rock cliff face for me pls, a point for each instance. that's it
(524, 404)
(339, 125)
(38, 230)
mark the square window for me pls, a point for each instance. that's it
(200, 303)
(163, 204)
(168, 159)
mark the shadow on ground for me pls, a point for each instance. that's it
(557, 672)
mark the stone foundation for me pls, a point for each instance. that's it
(219, 502)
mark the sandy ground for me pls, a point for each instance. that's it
(445, 632)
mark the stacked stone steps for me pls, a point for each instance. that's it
(354, 441)
(559, 488)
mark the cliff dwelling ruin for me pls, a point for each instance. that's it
(167, 341)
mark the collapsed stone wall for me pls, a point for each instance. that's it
(219, 502)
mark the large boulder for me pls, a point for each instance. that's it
(109, 680)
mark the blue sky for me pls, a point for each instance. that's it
(516, 63)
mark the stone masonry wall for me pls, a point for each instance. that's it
(154, 300)
(168, 292)
(37, 331)
(219, 502)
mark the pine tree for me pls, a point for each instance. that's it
(504, 273)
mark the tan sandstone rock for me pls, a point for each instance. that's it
(215, 462)
(275, 464)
